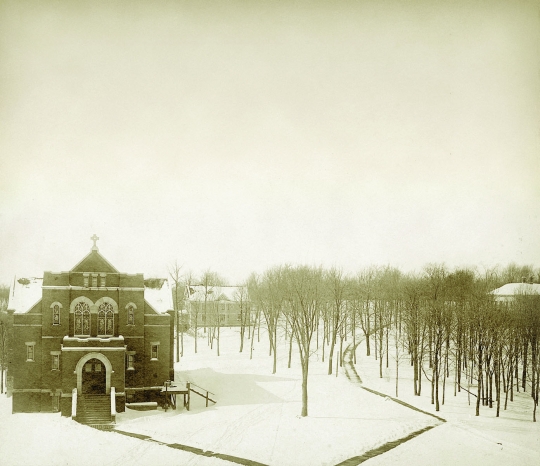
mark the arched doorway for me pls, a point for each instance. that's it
(94, 376)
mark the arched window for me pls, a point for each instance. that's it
(106, 319)
(130, 315)
(82, 319)
(56, 314)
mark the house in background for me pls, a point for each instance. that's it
(89, 338)
(509, 292)
(226, 306)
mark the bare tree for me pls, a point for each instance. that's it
(335, 295)
(303, 296)
(242, 299)
(178, 293)
(267, 293)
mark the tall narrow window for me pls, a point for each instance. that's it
(106, 319)
(55, 362)
(86, 278)
(103, 278)
(56, 315)
(131, 361)
(154, 351)
(82, 319)
(131, 316)
(30, 353)
(94, 280)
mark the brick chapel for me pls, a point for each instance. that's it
(90, 331)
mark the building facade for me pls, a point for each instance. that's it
(224, 306)
(89, 331)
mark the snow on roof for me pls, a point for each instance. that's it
(159, 297)
(225, 293)
(512, 289)
(24, 294)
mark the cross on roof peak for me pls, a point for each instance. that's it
(94, 239)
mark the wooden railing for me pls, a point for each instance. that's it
(206, 396)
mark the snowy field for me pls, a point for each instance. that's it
(257, 418)
(464, 439)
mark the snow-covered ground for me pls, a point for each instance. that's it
(464, 439)
(257, 414)
(257, 418)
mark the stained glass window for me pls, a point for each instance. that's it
(82, 319)
(56, 315)
(131, 316)
(106, 319)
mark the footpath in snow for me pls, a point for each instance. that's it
(257, 414)
(464, 439)
(257, 419)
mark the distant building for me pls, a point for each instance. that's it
(226, 306)
(90, 331)
(508, 292)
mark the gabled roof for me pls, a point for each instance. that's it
(24, 294)
(94, 262)
(514, 289)
(215, 293)
(158, 295)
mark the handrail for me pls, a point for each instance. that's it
(202, 388)
(206, 397)
(113, 404)
(73, 403)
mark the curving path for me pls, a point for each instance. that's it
(352, 375)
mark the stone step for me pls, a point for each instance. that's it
(94, 409)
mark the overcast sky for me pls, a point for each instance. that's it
(234, 136)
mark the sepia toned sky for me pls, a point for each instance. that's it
(237, 135)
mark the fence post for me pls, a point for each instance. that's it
(188, 386)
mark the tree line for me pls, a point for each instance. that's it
(451, 329)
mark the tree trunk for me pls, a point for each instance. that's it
(331, 355)
(219, 326)
(252, 341)
(177, 334)
(274, 368)
(397, 366)
(524, 374)
(305, 368)
(480, 379)
(196, 318)
(290, 349)
(498, 386)
(340, 351)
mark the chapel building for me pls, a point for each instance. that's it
(90, 332)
